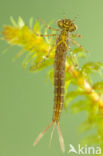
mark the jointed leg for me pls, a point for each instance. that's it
(72, 58)
(78, 45)
(43, 60)
(44, 23)
(62, 42)
(76, 35)
(45, 35)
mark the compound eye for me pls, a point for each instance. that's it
(60, 24)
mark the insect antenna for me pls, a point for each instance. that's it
(74, 19)
(64, 14)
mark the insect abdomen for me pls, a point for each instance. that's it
(59, 76)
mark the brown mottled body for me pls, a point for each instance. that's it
(66, 26)
(59, 73)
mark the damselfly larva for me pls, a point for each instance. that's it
(62, 45)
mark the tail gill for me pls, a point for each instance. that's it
(59, 134)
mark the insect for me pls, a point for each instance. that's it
(66, 26)
(66, 69)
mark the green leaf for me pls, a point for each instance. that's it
(91, 140)
(69, 96)
(91, 67)
(37, 66)
(86, 126)
(73, 94)
(98, 86)
(13, 21)
(31, 22)
(19, 54)
(28, 59)
(78, 53)
(78, 106)
(77, 50)
(37, 27)
(51, 75)
(20, 22)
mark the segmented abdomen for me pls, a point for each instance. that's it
(59, 76)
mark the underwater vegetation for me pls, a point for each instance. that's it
(36, 49)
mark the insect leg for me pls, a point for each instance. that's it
(43, 60)
(72, 58)
(62, 42)
(78, 45)
(44, 23)
(76, 35)
(44, 35)
(48, 35)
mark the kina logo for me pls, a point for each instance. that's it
(84, 150)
